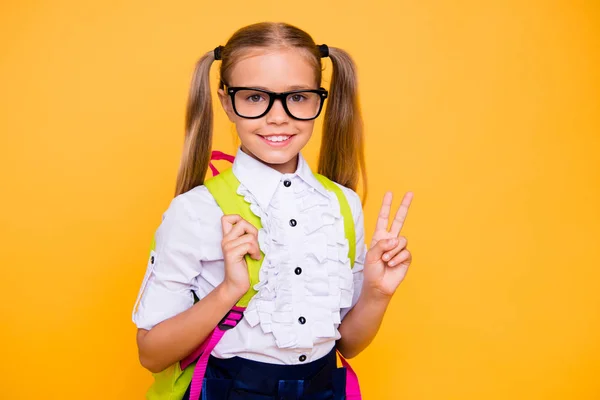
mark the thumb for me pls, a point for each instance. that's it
(376, 252)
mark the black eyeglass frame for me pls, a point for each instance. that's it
(282, 96)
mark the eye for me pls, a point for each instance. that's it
(297, 98)
(255, 98)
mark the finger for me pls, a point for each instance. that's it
(246, 244)
(403, 256)
(240, 228)
(374, 255)
(401, 214)
(227, 222)
(402, 242)
(232, 244)
(251, 248)
(254, 249)
(384, 213)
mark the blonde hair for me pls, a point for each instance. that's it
(341, 157)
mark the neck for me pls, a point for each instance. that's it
(288, 167)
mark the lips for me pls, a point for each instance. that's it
(277, 140)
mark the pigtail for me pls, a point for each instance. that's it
(342, 146)
(198, 129)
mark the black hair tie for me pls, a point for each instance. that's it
(217, 52)
(324, 50)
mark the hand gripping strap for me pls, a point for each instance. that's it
(224, 187)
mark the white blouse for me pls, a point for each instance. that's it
(306, 283)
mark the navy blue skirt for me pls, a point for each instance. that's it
(240, 379)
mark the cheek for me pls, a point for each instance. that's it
(247, 127)
(306, 127)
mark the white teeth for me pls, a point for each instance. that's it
(277, 138)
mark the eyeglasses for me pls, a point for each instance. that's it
(255, 103)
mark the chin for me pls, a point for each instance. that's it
(275, 158)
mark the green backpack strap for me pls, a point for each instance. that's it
(223, 188)
(346, 213)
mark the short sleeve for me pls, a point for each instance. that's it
(172, 269)
(361, 249)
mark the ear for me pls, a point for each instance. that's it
(226, 103)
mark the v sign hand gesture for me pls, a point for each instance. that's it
(388, 259)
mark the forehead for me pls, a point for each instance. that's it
(276, 70)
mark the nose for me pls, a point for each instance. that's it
(277, 114)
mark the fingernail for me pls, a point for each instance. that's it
(392, 263)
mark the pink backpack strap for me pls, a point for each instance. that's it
(232, 318)
(352, 387)
(202, 354)
(218, 155)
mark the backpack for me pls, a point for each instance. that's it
(173, 382)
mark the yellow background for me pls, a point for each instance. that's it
(487, 111)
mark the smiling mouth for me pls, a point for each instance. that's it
(277, 138)
(277, 141)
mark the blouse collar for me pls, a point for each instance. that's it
(262, 180)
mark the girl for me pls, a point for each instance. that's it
(308, 301)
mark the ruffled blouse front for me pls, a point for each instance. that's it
(320, 253)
